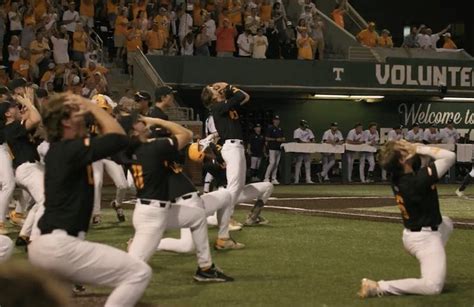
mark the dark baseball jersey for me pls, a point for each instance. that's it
(274, 132)
(150, 167)
(257, 145)
(216, 168)
(69, 181)
(157, 131)
(178, 183)
(226, 118)
(20, 143)
(417, 197)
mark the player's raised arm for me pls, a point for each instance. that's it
(444, 159)
(182, 135)
(33, 117)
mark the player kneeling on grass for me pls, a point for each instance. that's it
(426, 231)
(69, 196)
(165, 198)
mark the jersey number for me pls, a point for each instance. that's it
(137, 172)
(174, 167)
(401, 206)
(233, 114)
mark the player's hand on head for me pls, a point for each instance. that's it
(80, 105)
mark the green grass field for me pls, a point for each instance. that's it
(300, 260)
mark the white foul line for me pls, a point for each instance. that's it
(330, 197)
(386, 217)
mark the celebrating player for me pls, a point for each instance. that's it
(69, 196)
(426, 231)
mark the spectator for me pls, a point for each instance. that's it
(185, 23)
(112, 9)
(4, 78)
(101, 84)
(333, 137)
(225, 46)
(256, 150)
(431, 135)
(93, 68)
(318, 37)
(368, 37)
(412, 40)
(38, 49)
(48, 76)
(338, 13)
(265, 12)
(434, 38)
(202, 42)
(142, 21)
(274, 137)
(385, 40)
(15, 18)
(50, 18)
(280, 21)
(120, 33)
(423, 38)
(224, 14)
(449, 134)
(415, 135)
(307, 3)
(303, 135)
(28, 35)
(301, 26)
(235, 14)
(210, 32)
(89, 89)
(187, 45)
(60, 48)
(14, 50)
(260, 45)
(137, 6)
(86, 11)
(134, 41)
(273, 37)
(21, 67)
(253, 22)
(79, 44)
(305, 46)
(29, 16)
(448, 42)
(308, 18)
(71, 18)
(198, 14)
(40, 10)
(163, 21)
(245, 43)
(155, 40)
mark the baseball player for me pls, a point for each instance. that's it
(431, 136)
(209, 128)
(466, 181)
(69, 183)
(164, 99)
(6, 248)
(303, 135)
(415, 135)
(256, 150)
(334, 137)
(356, 137)
(114, 170)
(449, 134)
(29, 173)
(7, 178)
(165, 197)
(143, 100)
(371, 137)
(224, 101)
(426, 231)
(274, 138)
(396, 134)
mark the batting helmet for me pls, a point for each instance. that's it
(195, 153)
(103, 101)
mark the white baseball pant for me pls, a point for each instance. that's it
(207, 182)
(236, 167)
(255, 162)
(300, 157)
(274, 161)
(328, 162)
(6, 248)
(7, 181)
(151, 221)
(30, 176)
(428, 247)
(351, 156)
(91, 263)
(259, 191)
(471, 173)
(115, 172)
(369, 156)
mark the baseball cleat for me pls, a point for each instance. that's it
(320, 177)
(266, 180)
(96, 219)
(309, 181)
(250, 221)
(234, 225)
(369, 288)
(212, 274)
(17, 219)
(460, 193)
(275, 182)
(226, 244)
(22, 241)
(118, 209)
(3, 229)
(261, 220)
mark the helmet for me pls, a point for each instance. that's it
(195, 153)
(103, 101)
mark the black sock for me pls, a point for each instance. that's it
(465, 182)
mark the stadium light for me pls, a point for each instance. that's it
(331, 96)
(353, 97)
(464, 99)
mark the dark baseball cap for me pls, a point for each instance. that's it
(4, 90)
(142, 95)
(399, 127)
(416, 125)
(257, 125)
(450, 122)
(163, 91)
(15, 83)
(276, 117)
(304, 123)
(4, 106)
(334, 124)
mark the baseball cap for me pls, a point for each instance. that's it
(304, 123)
(257, 125)
(15, 83)
(416, 125)
(334, 124)
(399, 127)
(450, 122)
(163, 91)
(142, 95)
(276, 117)
(447, 34)
(4, 90)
